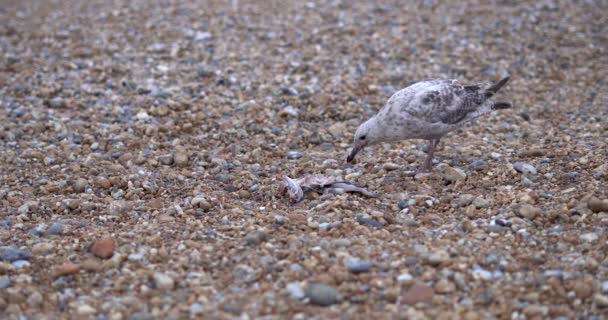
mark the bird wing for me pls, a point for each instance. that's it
(448, 102)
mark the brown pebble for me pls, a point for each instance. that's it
(92, 265)
(65, 269)
(103, 248)
(104, 183)
(418, 293)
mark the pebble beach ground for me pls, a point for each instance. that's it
(143, 143)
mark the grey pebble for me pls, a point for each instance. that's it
(294, 155)
(55, 229)
(525, 168)
(323, 295)
(11, 254)
(5, 282)
(295, 291)
(21, 263)
(478, 165)
(166, 159)
(223, 177)
(356, 265)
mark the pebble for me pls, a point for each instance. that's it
(390, 166)
(295, 291)
(222, 177)
(18, 264)
(104, 248)
(293, 155)
(418, 293)
(529, 212)
(604, 287)
(57, 103)
(600, 300)
(181, 158)
(85, 310)
(452, 174)
(438, 257)
(478, 165)
(201, 203)
(55, 229)
(597, 205)
(525, 168)
(5, 282)
(244, 274)
(166, 159)
(10, 254)
(479, 273)
(80, 185)
(481, 203)
(256, 237)
(322, 295)
(65, 269)
(163, 281)
(444, 286)
(465, 199)
(589, 237)
(279, 219)
(104, 183)
(196, 309)
(404, 277)
(356, 265)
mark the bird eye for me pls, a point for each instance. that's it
(362, 138)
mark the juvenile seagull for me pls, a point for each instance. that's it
(427, 110)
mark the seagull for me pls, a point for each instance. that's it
(427, 110)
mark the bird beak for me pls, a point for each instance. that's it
(358, 146)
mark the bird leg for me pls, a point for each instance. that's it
(428, 162)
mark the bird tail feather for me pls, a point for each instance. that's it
(501, 105)
(494, 88)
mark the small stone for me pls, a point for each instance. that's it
(92, 265)
(11, 254)
(589, 237)
(166, 159)
(465, 199)
(55, 229)
(35, 299)
(418, 293)
(65, 269)
(196, 309)
(222, 177)
(256, 237)
(181, 158)
(279, 219)
(478, 165)
(582, 290)
(529, 212)
(18, 264)
(532, 153)
(80, 185)
(201, 203)
(452, 174)
(293, 155)
(244, 194)
(600, 300)
(481, 203)
(356, 265)
(244, 274)
(597, 205)
(525, 168)
(479, 273)
(5, 282)
(104, 183)
(604, 287)
(163, 281)
(57, 103)
(103, 248)
(85, 310)
(404, 278)
(295, 291)
(438, 257)
(390, 166)
(322, 295)
(444, 286)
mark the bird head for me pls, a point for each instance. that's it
(365, 135)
